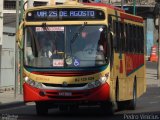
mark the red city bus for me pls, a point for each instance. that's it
(82, 53)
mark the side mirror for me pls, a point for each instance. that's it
(19, 35)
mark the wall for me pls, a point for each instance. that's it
(7, 78)
(0, 62)
(149, 34)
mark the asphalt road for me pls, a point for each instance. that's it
(148, 106)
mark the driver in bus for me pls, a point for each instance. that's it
(89, 42)
(102, 43)
(46, 48)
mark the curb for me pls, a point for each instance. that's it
(11, 105)
(152, 85)
(6, 89)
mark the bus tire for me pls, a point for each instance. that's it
(73, 108)
(132, 103)
(41, 108)
(63, 108)
(108, 108)
(120, 104)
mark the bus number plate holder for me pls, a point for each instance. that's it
(65, 94)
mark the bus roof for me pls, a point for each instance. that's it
(123, 14)
(104, 5)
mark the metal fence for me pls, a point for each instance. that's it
(129, 2)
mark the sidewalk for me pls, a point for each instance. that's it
(151, 78)
(7, 98)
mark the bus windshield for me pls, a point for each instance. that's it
(66, 46)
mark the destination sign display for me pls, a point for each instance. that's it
(65, 14)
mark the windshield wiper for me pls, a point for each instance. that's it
(75, 36)
(77, 33)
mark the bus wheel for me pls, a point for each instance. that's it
(63, 108)
(73, 108)
(132, 103)
(108, 108)
(120, 104)
(41, 108)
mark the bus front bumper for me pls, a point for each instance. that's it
(32, 94)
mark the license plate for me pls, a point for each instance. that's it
(65, 94)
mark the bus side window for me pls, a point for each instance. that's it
(119, 46)
(136, 42)
(137, 45)
(142, 39)
(114, 31)
(131, 38)
(134, 39)
(127, 36)
(117, 37)
(131, 45)
(139, 39)
(122, 37)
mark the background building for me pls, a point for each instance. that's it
(7, 50)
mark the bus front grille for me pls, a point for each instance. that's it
(75, 95)
(61, 85)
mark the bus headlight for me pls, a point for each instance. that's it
(97, 83)
(33, 83)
